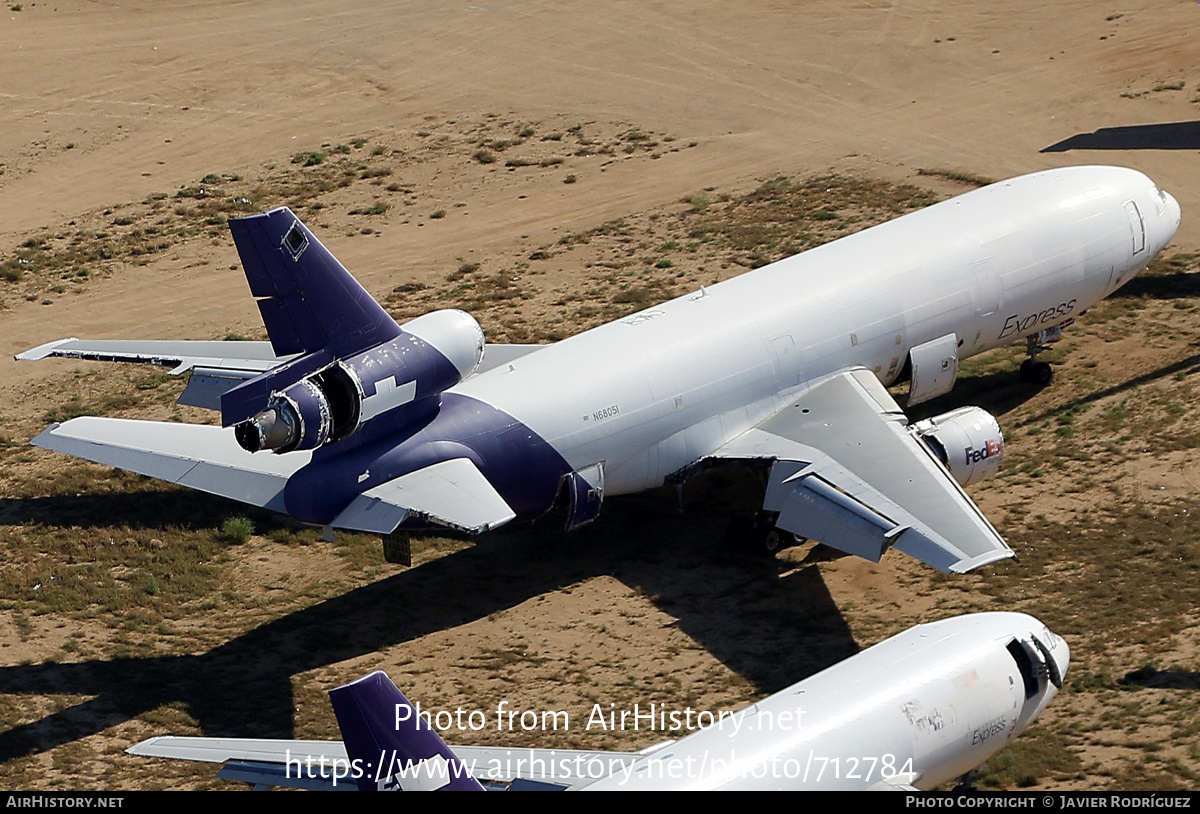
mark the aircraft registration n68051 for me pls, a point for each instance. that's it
(349, 420)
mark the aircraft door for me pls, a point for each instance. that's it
(934, 368)
(785, 361)
(987, 287)
(1041, 671)
(586, 489)
(1137, 227)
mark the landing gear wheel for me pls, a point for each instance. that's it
(1035, 372)
(1041, 374)
(758, 535)
(774, 541)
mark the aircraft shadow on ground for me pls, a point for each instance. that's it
(1176, 285)
(999, 392)
(771, 631)
(1188, 366)
(154, 507)
(1169, 136)
(1161, 679)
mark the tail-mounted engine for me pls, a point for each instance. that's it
(967, 440)
(306, 408)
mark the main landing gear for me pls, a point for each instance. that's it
(1033, 371)
(758, 535)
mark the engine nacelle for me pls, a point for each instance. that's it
(967, 440)
(432, 353)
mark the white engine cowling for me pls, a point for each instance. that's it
(967, 440)
(454, 333)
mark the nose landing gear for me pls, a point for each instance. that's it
(1033, 371)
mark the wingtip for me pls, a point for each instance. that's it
(43, 351)
(987, 558)
(144, 748)
(42, 438)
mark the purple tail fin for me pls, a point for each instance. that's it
(389, 745)
(308, 300)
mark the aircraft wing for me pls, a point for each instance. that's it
(569, 768)
(290, 764)
(453, 493)
(847, 472)
(216, 366)
(264, 762)
(254, 357)
(194, 455)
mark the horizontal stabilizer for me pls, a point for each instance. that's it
(451, 493)
(200, 457)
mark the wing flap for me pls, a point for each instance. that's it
(849, 473)
(452, 493)
(198, 456)
(207, 385)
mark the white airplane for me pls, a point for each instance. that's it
(913, 712)
(348, 420)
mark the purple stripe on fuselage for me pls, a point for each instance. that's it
(519, 464)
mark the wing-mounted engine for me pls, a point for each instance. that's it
(967, 440)
(315, 400)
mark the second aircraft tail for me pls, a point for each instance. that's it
(395, 747)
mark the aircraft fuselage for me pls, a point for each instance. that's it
(955, 693)
(650, 394)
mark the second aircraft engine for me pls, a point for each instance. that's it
(967, 440)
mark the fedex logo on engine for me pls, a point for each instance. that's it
(991, 448)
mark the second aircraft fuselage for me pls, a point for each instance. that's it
(652, 393)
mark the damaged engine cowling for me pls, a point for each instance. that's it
(432, 353)
(967, 440)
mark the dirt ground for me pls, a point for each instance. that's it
(120, 113)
